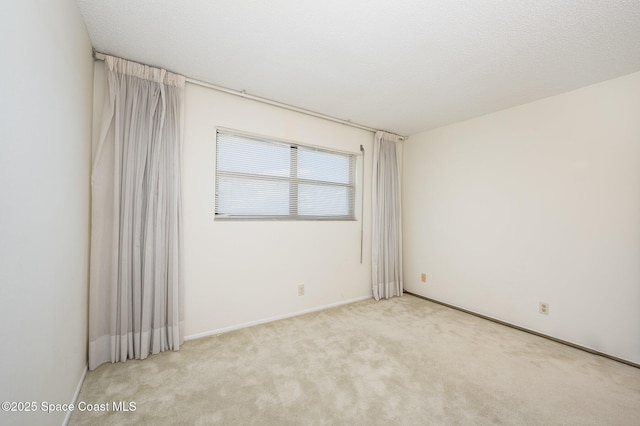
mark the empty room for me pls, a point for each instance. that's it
(320, 213)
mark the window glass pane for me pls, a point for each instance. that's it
(323, 166)
(241, 196)
(254, 179)
(323, 200)
(252, 157)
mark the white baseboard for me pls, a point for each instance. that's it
(271, 319)
(67, 417)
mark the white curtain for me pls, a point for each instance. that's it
(135, 306)
(386, 250)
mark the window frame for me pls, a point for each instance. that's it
(293, 180)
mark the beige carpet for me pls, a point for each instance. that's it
(405, 361)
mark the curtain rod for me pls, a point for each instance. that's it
(100, 57)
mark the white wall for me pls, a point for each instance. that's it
(45, 127)
(535, 203)
(240, 272)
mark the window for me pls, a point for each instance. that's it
(265, 179)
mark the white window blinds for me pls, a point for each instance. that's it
(265, 179)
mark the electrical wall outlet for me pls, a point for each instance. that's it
(301, 290)
(423, 277)
(544, 308)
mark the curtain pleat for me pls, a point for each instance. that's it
(135, 306)
(386, 248)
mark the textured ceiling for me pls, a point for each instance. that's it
(403, 66)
